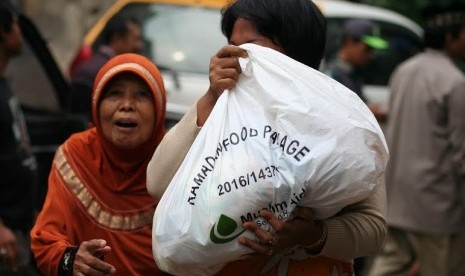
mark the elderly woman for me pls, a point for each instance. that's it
(97, 215)
(298, 29)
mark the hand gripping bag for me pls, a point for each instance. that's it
(286, 135)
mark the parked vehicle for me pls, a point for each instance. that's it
(182, 35)
(43, 93)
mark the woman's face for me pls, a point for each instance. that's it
(245, 32)
(127, 112)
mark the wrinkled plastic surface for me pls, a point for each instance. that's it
(286, 135)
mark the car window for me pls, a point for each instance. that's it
(179, 38)
(403, 43)
(29, 81)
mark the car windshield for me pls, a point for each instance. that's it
(179, 38)
(403, 43)
(183, 38)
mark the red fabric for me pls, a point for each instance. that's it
(86, 166)
(83, 54)
(321, 266)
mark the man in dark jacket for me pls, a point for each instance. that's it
(122, 34)
(17, 163)
(360, 38)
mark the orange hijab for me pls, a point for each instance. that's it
(101, 164)
(107, 184)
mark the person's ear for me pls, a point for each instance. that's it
(449, 39)
(450, 43)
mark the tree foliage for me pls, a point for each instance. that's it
(410, 8)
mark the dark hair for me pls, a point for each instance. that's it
(441, 20)
(297, 26)
(117, 25)
(435, 37)
(7, 15)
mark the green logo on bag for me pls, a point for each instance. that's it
(225, 227)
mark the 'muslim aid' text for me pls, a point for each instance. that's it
(279, 209)
(290, 147)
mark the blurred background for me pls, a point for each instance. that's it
(64, 23)
(180, 37)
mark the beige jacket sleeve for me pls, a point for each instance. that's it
(170, 153)
(358, 230)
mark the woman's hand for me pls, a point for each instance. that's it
(89, 259)
(300, 230)
(225, 69)
(9, 253)
(224, 73)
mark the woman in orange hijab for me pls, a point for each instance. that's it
(97, 215)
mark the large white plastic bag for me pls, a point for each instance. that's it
(330, 152)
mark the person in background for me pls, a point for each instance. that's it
(359, 39)
(97, 216)
(425, 178)
(122, 34)
(298, 29)
(17, 164)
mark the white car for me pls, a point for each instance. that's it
(182, 35)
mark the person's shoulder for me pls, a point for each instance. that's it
(412, 63)
(332, 64)
(83, 138)
(83, 73)
(335, 69)
(87, 71)
(443, 66)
